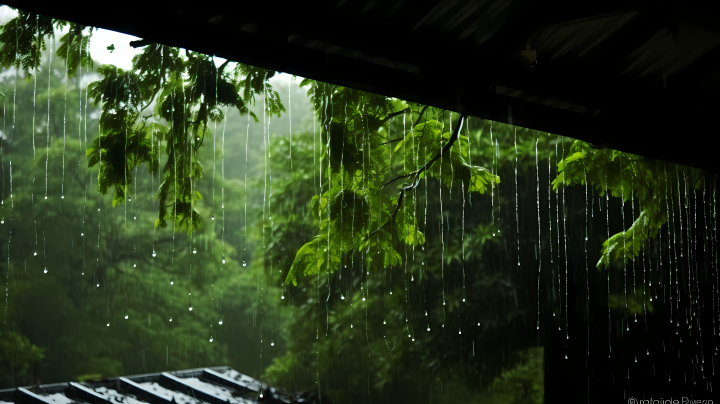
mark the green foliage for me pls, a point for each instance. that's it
(524, 383)
(18, 354)
(627, 175)
(188, 91)
(358, 211)
(23, 40)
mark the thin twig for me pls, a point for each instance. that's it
(417, 173)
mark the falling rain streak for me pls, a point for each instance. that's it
(325, 189)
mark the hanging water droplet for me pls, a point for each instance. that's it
(211, 339)
(108, 324)
(194, 251)
(154, 254)
(384, 322)
(45, 271)
(412, 279)
(244, 263)
(35, 253)
(126, 317)
(565, 356)
(648, 352)
(282, 297)
(459, 332)
(443, 326)
(478, 324)
(2, 221)
(129, 199)
(272, 343)
(363, 299)
(351, 326)
(428, 328)
(171, 319)
(134, 217)
(463, 300)
(342, 297)
(98, 285)
(46, 197)
(261, 396)
(172, 282)
(98, 209)
(190, 307)
(134, 265)
(82, 234)
(213, 217)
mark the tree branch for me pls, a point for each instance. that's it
(417, 173)
(445, 148)
(396, 113)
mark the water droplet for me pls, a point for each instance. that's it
(190, 308)
(351, 326)
(98, 209)
(428, 329)
(46, 198)
(459, 332)
(35, 253)
(220, 322)
(134, 217)
(129, 199)
(194, 251)
(2, 222)
(82, 234)
(342, 297)
(261, 396)
(126, 317)
(171, 319)
(108, 324)
(363, 299)
(45, 271)
(98, 285)
(213, 218)
(384, 322)
(154, 254)
(478, 324)
(282, 297)
(172, 282)
(134, 265)
(272, 344)
(648, 352)
(463, 300)
(211, 339)
(62, 197)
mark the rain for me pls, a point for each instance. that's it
(344, 203)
